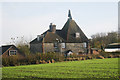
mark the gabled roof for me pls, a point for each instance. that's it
(40, 40)
(69, 30)
(49, 37)
(6, 47)
(52, 37)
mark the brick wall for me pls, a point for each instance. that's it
(36, 47)
(49, 47)
(75, 47)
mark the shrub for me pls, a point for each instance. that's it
(31, 59)
(5, 61)
(104, 54)
(10, 60)
(24, 49)
(37, 58)
(13, 60)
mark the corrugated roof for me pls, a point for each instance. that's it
(114, 44)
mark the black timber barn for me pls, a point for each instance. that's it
(69, 38)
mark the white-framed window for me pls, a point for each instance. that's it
(77, 34)
(12, 52)
(62, 45)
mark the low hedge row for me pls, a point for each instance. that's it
(31, 59)
(41, 58)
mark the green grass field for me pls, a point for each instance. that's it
(96, 68)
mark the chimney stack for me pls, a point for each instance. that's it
(38, 37)
(52, 28)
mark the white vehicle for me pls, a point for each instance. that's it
(114, 47)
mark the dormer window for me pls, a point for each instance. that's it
(77, 35)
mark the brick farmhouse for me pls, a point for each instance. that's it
(69, 38)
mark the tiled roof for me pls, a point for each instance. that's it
(49, 37)
(69, 30)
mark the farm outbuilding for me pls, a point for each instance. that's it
(9, 50)
(113, 47)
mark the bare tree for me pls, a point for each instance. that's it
(102, 39)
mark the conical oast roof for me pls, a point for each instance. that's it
(69, 32)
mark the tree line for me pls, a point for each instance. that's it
(103, 39)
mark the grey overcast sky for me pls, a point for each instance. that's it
(30, 19)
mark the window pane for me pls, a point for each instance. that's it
(13, 52)
(63, 45)
(77, 35)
